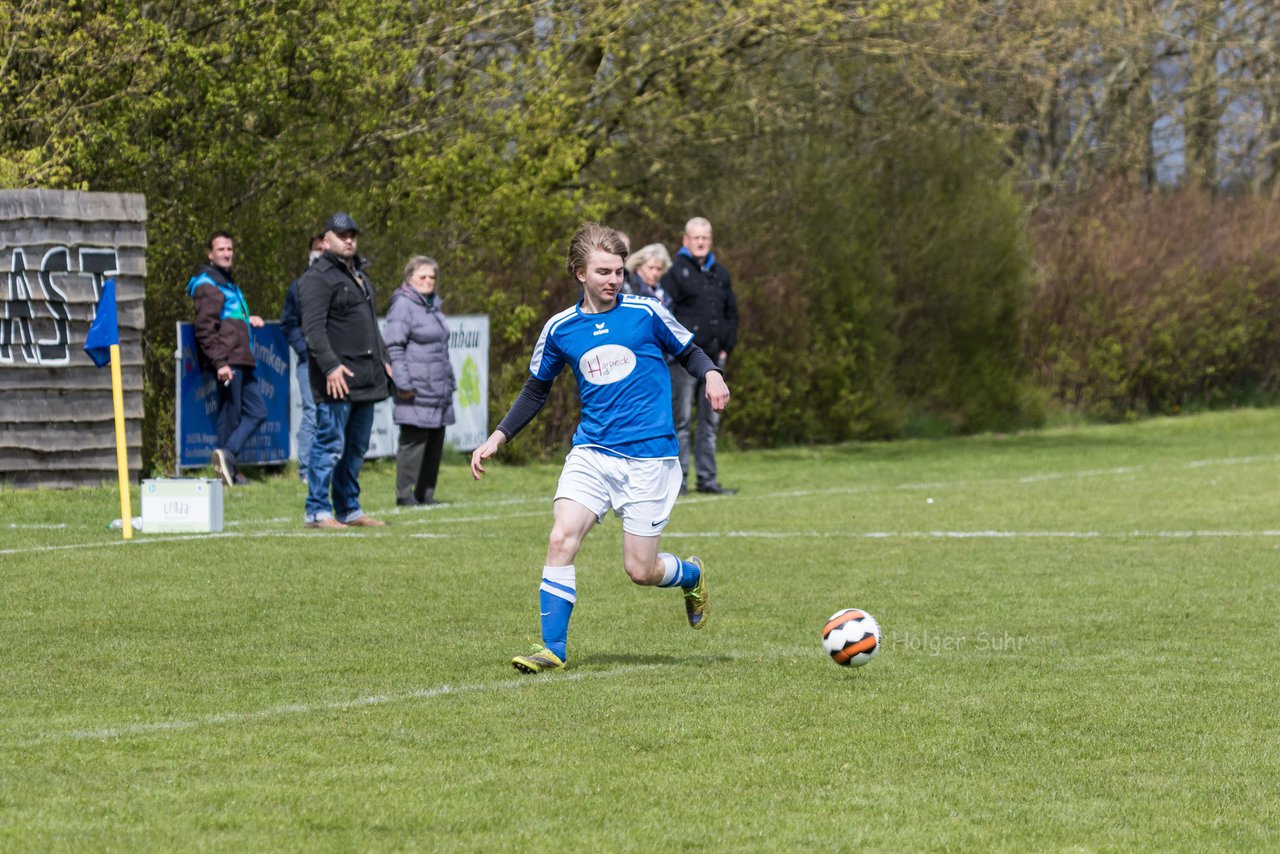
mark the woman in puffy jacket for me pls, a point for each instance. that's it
(417, 338)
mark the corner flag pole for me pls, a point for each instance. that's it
(102, 345)
(122, 448)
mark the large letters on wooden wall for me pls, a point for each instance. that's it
(35, 321)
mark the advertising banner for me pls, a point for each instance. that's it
(469, 353)
(277, 440)
(196, 401)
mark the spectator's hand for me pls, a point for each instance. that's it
(255, 321)
(717, 391)
(488, 449)
(387, 365)
(225, 374)
(336, 382)
(406, 394)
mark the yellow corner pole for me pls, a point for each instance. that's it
(122, 449)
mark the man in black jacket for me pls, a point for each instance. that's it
(348, 368)
(291, 326)
(700, 294)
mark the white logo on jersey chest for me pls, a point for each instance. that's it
(608, 363)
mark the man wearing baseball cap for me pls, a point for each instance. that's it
(348, 369)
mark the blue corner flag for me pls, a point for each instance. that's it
(104, 331)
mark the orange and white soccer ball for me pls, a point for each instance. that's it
(851, 637)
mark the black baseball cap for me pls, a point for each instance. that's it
(340, 223)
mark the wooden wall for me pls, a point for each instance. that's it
(56, 416)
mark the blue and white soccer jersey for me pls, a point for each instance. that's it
(624, 383)
(625, 454)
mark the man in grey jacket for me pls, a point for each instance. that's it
(348, 368)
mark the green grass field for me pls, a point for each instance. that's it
(1080, 652)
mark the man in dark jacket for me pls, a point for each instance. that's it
(348, 368)
(225, 346)
(291, 326)
(700, 294)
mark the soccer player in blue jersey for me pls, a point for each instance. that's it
(625, 454)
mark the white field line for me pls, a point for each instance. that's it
(433, 515)
(964, 535)
(1063, 475)
(423, 512)
(706, 535)
(1234, 461)
(144, 538)
(120, 542)
(297, 709)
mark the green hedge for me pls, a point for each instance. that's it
(1150, 304)
(890, 300)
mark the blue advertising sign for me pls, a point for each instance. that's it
(196, 403)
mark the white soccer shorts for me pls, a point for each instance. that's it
(641, 492)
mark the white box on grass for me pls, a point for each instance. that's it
(187, 504)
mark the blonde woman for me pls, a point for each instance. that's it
(646, 267)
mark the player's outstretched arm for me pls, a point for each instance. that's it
(527, 404)
(717, 390)
(488, 449)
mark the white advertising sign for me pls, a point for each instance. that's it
(469, 355)
(181, 504)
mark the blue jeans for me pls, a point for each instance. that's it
(337, 455)
(241, 410)
(307, 427)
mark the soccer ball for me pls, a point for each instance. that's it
(851, 637)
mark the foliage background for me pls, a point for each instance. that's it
(940, 217)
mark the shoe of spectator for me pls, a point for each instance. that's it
(327, 524)
(366, 522)
(407, 502)
(714, 487)
(225, 465)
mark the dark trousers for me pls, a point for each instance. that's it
(418, 462)
(241, 410)
(686, 393)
